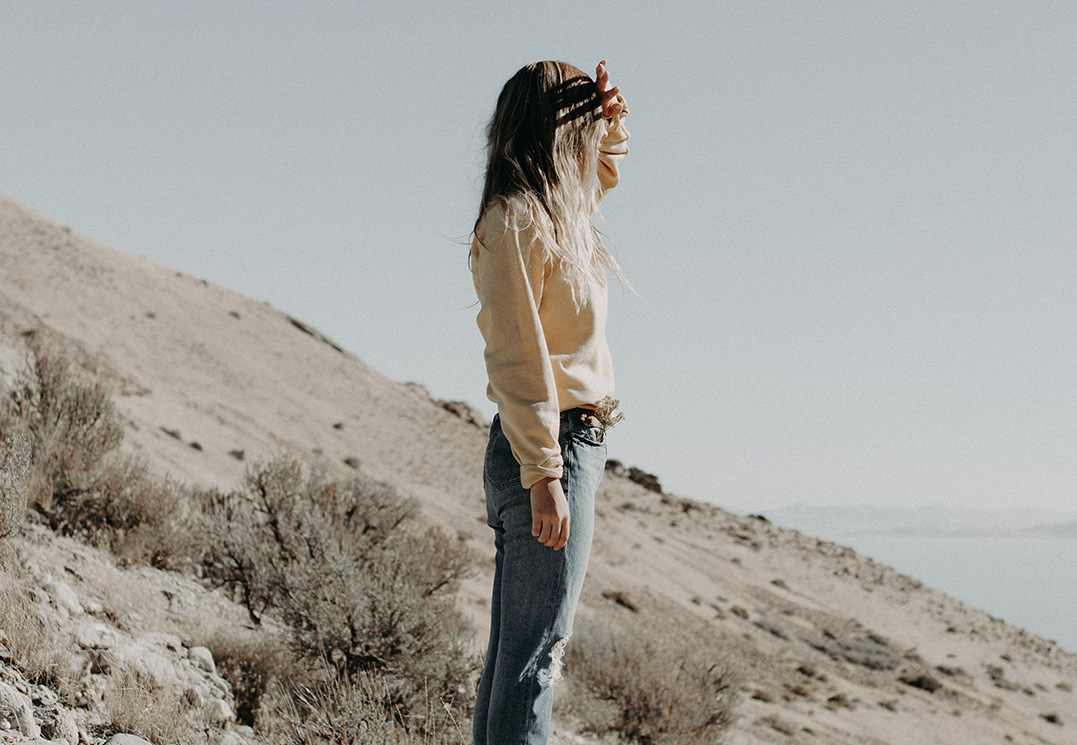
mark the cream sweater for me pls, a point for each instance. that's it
(545, 353)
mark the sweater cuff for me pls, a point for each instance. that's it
(553, 468)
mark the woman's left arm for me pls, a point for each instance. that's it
(614, 145)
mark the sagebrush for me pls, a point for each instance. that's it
(252, 663)
(360, 584)
(70, 420)
(65, 463)
(650, 686)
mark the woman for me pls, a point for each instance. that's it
(539, 268)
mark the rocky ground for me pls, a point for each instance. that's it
(106, 628)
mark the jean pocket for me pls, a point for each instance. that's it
(500, 470)
(593, 436)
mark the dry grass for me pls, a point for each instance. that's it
(136, 706)
(338, 711)
(38, 647)
(352, 710)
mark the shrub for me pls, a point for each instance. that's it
(61, 435)
(251, 664)
(71, 423)
(650, 688)
(141, 519)
(345, 566)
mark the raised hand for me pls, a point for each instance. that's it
(607, 97)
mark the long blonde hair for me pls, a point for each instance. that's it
(543, 165)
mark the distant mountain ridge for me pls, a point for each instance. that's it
(846, 520)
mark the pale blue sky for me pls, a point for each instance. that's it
(851, 225)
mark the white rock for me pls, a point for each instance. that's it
(221, 712)
(127, 740)
(64, 597)
(21, 709)
(202, 657)
(171, 642)
(95, 635)
(142, 657)
(225, 737)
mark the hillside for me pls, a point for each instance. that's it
(829, 647)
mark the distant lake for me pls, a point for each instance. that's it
(1025, 581)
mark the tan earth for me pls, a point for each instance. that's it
(829, 646)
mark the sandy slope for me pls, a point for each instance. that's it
(820, 636)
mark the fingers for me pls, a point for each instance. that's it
(563, 538)
(607, 98)
(550, 531)
(549, 514)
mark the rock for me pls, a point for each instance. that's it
(171, 642)
(922, 680)
(63, 597)
(95, 635)
(226, 737)
(18, 711)
(59, 725)
(202, 657)
(127, 740)
(141, 656)
(221, 712)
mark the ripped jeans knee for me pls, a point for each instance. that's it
(550, 675)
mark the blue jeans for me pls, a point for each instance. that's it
(535, 588)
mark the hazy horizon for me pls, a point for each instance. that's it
(851, 225)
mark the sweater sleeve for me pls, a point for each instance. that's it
(510, 272)
(613, 148)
